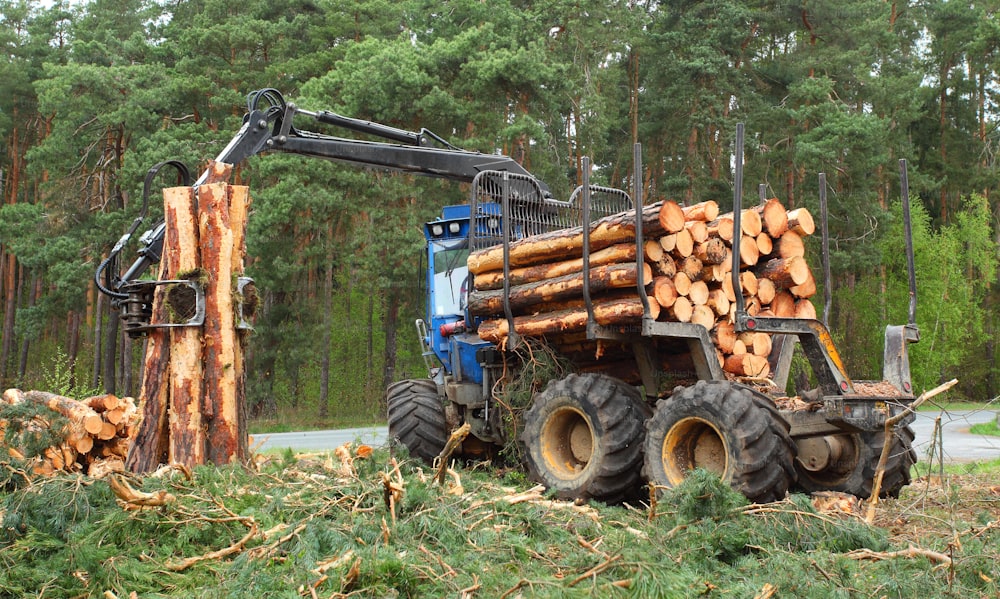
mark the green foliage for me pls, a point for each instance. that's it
(319, 528)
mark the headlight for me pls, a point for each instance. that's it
(437, 230)
(493, 223)
(454, 228)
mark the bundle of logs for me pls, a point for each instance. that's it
(687, 265)
(94, 441)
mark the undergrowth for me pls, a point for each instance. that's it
(315, 528)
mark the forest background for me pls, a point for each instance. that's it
(94, 93)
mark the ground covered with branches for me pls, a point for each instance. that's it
(360, 524)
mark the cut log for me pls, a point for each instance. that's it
(12, 396)
(746, 365)
(698, 294)
(704, 316)
(765, 245)
(722, 227)
(668, 242)
(750, 223)
(103, 403)
(671, 217)
(565, 244)
(711, 251)
(774, 217)
(78, 414)
(727, 288)
(682, 309)
(718, 301)
(749, 252)
(800, 221)
(805, 309)
(652, 250)
(785, 272)
(765, 290)
(612, 276)
(748, 283)
(682, 283)
(606, 313)
(783, 305)
(790, 244)
(806, 289)
(703, 211)
(683, 244)
(616, 254)
(724, 336)
(762, 345)
(691, 267)
(666, 267)
(664, 291)
(697, 230)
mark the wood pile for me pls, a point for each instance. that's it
(96, 439)
(687, 265)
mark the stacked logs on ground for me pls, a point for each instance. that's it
(96, 439)
(687, 270)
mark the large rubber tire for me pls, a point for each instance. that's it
(583, 437)
(856, 472)
(725, 428)
(416, 418)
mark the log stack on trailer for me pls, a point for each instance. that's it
(687, 260)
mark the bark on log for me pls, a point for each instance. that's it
(665, 267)
(617, 254)
(711, 251)
(691, 267)
(703, 211)
(606, 313)
(746, 365)
(79, 415)
(568, 243)
(611, 276)
(785, 272)
(187, 432)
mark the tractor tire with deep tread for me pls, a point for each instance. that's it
(857, 475)
(725, 428)
(416, 418)
(583, 437)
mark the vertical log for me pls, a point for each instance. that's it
(239, 206)
(187, 433)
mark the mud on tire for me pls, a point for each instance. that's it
(857, 477)
(416, 418)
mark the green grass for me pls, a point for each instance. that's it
(313, 528)
(986, 428)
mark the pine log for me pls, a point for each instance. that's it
(664, 291)
(718, 301)
(668, 242)
(749, 252)
(12, 396)
(103, 403)
(762, 345)
(748, 282)
(783, 305)
(682, 283)
(78, 414)
(746, 365)
(724, 336)
(691, 267)
(751, 223)
(615, 254)
(785, 272)
(800, 221)
(739, 347)
(765, 244)
(666, 267)
(804, 309)
(682, 309)
(704, 316)
(568, 243)
(727, 288)
(611, 276)
(697, 230)
(711, 251)
(703, 211)
(774, 217)
(790, 244)
(765, 290)
(698, 294)
(683, 244)
(606, 313)
(186, 429)
(806, 289)
(671, 217)
(652, 251)
(239, 208)
(722, 227)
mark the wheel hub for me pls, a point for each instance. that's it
(567, 442)
(693, 443)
